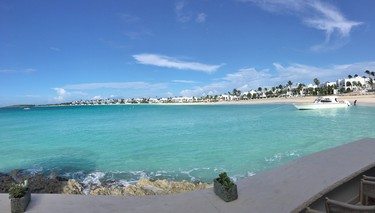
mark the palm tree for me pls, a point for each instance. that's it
(234, 92)
(316, 81)
(371, 81)
(290, 83)
(300, 87)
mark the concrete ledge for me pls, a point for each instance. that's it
(288, 188)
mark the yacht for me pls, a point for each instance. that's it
(324, 102)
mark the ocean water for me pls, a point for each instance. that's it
(184, 142)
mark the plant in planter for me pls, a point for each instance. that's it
(20, 196)
(225, 188)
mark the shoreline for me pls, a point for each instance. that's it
(54, 184)
(362, 100)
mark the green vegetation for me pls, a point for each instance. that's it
(371, 81)
(18, 190)
(224, 180)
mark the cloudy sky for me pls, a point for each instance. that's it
(56, 51)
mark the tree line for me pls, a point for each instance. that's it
(301, 89)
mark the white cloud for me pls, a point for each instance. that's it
(169, 94)
(305, 73)
(250, 78)
(316, 14)
(185, 15)
(244, 79)
(106, 90)
(184, 81)
(61, 94)
(182, 16)
(97, 97)
(65, 95)
(116, 85)
(165, 61)
(201, 18)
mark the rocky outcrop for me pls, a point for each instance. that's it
(5, 182)
(38, 183)
(72, 187)
(46, 185)
(148, 187)
(142, 187)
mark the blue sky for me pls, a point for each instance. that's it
(56, 51)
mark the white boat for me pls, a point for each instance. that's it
(324, 102)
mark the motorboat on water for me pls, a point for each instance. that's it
(324, 102)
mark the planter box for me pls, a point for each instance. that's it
(227, 195)
(19, 205)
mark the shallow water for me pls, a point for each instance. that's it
(127, 142)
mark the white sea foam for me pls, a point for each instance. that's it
(93, 178)
(249, 174)
(125, 183)
(278, 157)
(35, 170)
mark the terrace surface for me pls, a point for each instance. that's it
(288, 188)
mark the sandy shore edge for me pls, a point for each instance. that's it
(362, 100)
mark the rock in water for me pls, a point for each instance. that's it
(143, 187)
(73, 187)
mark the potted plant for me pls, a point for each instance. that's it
(20, 196)
(225, 188)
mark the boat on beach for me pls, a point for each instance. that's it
(324, 102)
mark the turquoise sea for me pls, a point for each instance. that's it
(190, 142)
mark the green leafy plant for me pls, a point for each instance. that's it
(18, 190)
(224, 180)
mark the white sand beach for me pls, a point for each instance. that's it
(362, 100)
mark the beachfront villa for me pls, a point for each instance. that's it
(354, 84)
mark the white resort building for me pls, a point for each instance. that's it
(354, 84)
